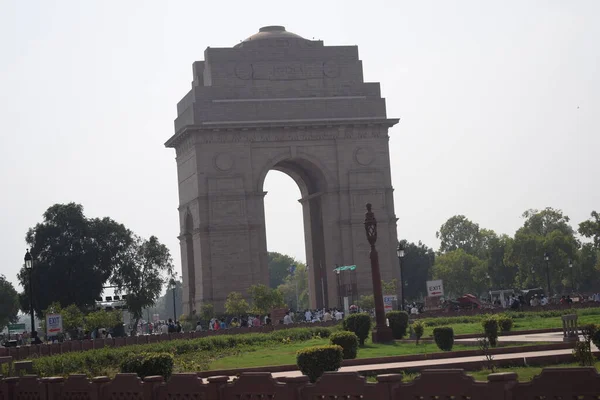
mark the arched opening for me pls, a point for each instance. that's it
(190, 265)
(283, 214)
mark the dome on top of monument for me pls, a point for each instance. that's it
(272, 32)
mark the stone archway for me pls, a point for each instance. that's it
(278, 101)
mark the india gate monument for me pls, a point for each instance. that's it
(277, 101)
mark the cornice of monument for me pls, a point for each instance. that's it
(277, 130)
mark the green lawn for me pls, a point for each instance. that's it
(520, 324)
(285, 354)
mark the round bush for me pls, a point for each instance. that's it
(348, 341)
(360, 324)
(398, 322)
(490, 329)
(444, 338)
(505, 323)
(314, 361)
(418, 329)
(148, 364)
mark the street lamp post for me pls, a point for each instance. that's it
(173, 287)
(29, 268)
(382, 333)
(547, 259)
(571, 269)
(400, 254)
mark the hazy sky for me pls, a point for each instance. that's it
(499, 104)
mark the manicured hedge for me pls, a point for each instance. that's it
(348, 341)
(444, 338)
(490, 329)
(149, 364)
(100, 361)
(314, 361)
(360, 324)
(398, 322)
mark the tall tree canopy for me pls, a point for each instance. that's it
(459, 233)
(591, 229)
(279, 268)
(544, 232)
(73, 256)
(293, 284)
(461, 272)
(9, 303)
(417, 267)
(141, 273)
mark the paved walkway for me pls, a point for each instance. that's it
(521, 357)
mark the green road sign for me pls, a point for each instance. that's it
(16, 328)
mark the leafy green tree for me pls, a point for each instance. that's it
(103, 319)
(461, 272)
(9, 303)
(265, 299)
(417, 266)
(296, 282)
(544, 232)
(207, 311)
(591, 228)
(140, 274)
(389, 287)
(279, 268)
(236, 305)
(584, 275)
(366, 302)
(460, 233)
(73, 256)
(495, 248)
(72, 317)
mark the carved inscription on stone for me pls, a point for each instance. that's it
(281, 136)
(227, 208)
(287, 71)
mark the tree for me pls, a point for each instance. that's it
(461, 272)
(544, 232)
(140, 274)
(495, 248)
(591, 228)
(72, 317)
(296, 284)
(366, 302)
(236, 305)
(207, 311)
(73, 256)
(279, 268)
(417, 265)
(265, 299)
(9, 303)
(460, 233)
(389, 287)
(103, 319)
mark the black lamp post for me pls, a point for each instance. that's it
(29, 268)
(547, 259)
(571, 269)
(173, 287)
(400, 254)
(382, 333)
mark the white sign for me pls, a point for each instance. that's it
(435, 288)
(388, 302)
(53, 324)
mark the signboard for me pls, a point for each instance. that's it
(435, 288)
(388, 301)
(53, 324)
(16, 328)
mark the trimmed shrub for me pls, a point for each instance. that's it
(505, 323)
(348, 341)
(444, 338)
(314, 361)
(322, 332)
(490, 329)
(418, 329)
(360, 324)
(398, 322)
(595, 338)
(148, 364)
